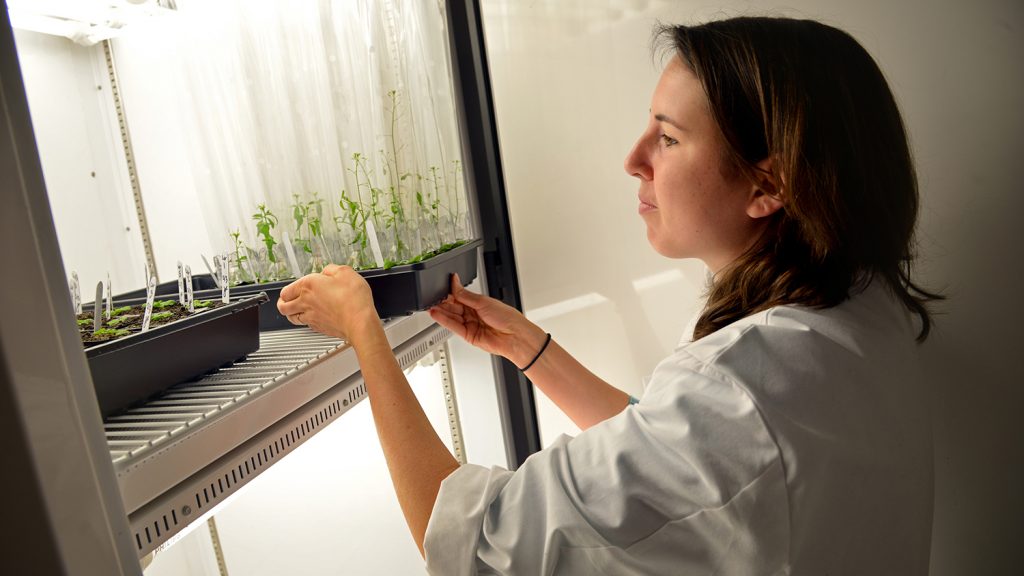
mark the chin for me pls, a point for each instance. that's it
(667, 250)
(658, 245)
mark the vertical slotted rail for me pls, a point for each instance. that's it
(129, 155)
(217, 550)
(452, 405)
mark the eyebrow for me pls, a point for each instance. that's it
(663, 118)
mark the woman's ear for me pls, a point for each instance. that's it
(765, 193)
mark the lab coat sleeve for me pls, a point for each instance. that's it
(673, 481)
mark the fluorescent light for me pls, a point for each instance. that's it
(84, 21)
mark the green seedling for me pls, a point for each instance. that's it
(358, 213)
(85, 322)
(110, 333)
(240, 255)
(115, 322)
(314, 219)
(364, 180)
(300, 214)
(309, 213)
(265, 222)
(164, 304)
(203, 303)
(161, 316)
(431, 203)
(119, 311)
(453, 199)
(395, 219)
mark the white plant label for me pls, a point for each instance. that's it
(371, 234)
(190, 302)
(110, 298)
(97, 308)
(289, 252)
(181, 285)
(76, 293)
(327, 253)
(215, 271)
(254, 261)
(150, 296)
(223, 270)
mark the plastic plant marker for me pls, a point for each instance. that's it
(371, 234)
(76, 293)
(189, 300)
(327, 253)
(215, 276)
(110, 298)
(254, 261)
(97, 303)
(150, 296)
(289, 251)
(181, 284)
(223, 270)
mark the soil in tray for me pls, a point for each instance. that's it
(127, 320)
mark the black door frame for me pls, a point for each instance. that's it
(487, 186)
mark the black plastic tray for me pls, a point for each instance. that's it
(131, 369)
(199, 282)
(397, 291)
(405, 289)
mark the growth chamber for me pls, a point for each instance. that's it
(151, 146)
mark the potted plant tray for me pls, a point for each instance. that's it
(134, 367)
(397, 291)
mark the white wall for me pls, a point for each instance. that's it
(86, 176)
(152, 96)
(83, 159)
(572, 82)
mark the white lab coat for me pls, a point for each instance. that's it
(795, 441)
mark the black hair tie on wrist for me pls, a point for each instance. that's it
(535, 358)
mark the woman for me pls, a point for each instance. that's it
(790, 436)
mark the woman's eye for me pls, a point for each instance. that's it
(668, 140)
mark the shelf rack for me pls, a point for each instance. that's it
(187, 450)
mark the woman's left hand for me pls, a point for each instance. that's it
(336, 302)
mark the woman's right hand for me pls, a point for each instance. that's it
(489, 324)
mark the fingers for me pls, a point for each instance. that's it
(291, 291)
(451, 306)
(463, 296)
(289, 303)
(448, 320)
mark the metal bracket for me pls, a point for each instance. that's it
(452, 405)
(129, 155)
(217, 550)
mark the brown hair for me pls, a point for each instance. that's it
(809, 97)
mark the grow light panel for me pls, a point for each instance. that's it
(86, 22)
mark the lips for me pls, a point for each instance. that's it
(646, 205)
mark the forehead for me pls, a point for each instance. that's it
(679, 94)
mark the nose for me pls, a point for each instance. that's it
(637, 162)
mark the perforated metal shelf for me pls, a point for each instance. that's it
(183, 452)
(139, 430)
